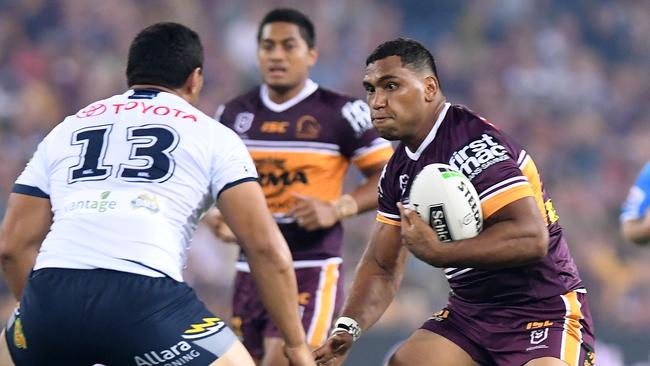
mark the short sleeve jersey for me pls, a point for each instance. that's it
(304, 146)
(502, 172)
(638, 198)
(128, 178)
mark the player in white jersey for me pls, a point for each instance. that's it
(114, 193)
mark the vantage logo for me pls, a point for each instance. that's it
(478, 155)
(102, 204)
(438, 222)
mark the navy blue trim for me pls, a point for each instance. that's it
(144, 93)
(232, 184)
(30, 191)
(146, 266)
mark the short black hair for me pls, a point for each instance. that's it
(292, 16)
(411, 52)
(164, 54)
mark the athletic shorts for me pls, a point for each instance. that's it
(320, 296)
(558, 327)
(86, 317)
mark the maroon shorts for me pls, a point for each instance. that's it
(320, 287)
(559, 327)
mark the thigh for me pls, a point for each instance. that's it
(553, 330)
(427, 348)
(235, 356)
(171, 326)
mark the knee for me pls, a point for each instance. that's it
(398, 358)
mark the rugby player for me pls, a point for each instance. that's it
(635, 221)
(302, 139)
(106, 208)
(516, 297)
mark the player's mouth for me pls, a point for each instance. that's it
(277, 71)
(378, 120)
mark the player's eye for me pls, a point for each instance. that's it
(369, 89)
(391, 85)
(267, 46)
(289, 46)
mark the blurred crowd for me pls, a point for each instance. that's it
(569, 79)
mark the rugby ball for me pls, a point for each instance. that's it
(446, 200)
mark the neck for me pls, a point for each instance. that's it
(280, 95)
(430, 119)
(157, 87)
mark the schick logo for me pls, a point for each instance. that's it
(182, 353)
(438, 221)
(478, 155)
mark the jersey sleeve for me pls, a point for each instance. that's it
(491, 161)
(35, 178)
(362, 145)
(233, 164)
(387, 211)
(638, 198)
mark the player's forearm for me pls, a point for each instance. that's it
(505, 244)
(275, 278)
(16, 268)
(373, 289)
(637, 231)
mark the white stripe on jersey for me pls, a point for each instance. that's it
(509, 181)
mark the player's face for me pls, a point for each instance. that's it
(284, 56)
(396, 96)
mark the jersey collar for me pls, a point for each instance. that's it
(432, 134)
(309, 88)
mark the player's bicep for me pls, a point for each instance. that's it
(385, 254)
(26, 223)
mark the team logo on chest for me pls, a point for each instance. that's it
(307, 127)
(243, 122)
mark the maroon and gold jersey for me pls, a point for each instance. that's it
(304, 146)
(502, 172)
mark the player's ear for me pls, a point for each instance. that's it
(194, 82)
(431, 88)
(313, 56)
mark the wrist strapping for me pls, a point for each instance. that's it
(347, 325)
(345, 206)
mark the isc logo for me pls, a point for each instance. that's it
(274, 127)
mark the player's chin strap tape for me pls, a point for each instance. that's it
(347, 325)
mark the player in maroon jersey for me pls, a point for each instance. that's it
(302, 139)
(516, 297)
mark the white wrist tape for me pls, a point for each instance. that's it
(347, 325)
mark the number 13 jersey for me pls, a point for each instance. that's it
(128, 178)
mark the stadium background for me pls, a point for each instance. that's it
(569, 79)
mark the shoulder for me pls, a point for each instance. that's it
(247, 102)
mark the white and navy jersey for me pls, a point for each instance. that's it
(128, 178)
(638, 198)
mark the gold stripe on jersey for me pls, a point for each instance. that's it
(324, 306)
(373, 157)
(529, 169)
(309, 173)
(572, 334)
(385, 220)
(505, 197)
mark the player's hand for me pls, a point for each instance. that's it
(418, 237)
(299, 355)
(214, 219)
(334, 350)
(312, 213)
